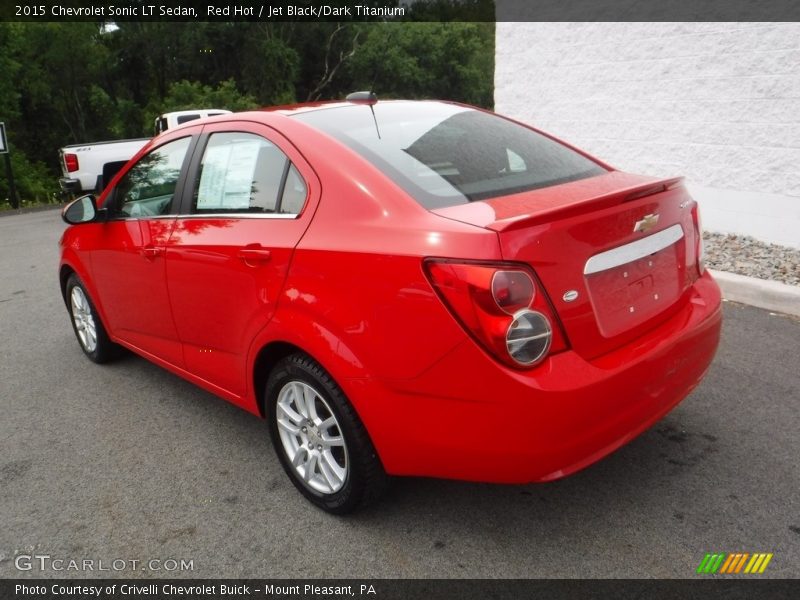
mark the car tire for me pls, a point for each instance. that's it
(86, 323)
(319, 439)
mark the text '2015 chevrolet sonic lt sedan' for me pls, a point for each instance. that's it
(399, 288)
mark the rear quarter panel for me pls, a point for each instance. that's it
(356, 297)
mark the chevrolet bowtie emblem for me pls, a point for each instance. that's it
(647, 222)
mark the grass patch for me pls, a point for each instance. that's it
(5, 205)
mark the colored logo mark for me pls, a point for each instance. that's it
(733, 563)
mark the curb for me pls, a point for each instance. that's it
(771, 295)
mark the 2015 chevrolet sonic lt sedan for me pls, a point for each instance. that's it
(399, 288)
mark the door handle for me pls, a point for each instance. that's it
(252, 256)
(151, 252)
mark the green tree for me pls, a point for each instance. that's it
(9, 70)
(270, 66)
(76, 82)
(447, 61)
(184, 95)
(33, 180)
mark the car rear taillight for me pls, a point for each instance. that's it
(700, 251)
(71, 162)
(502, 305)
(512, 290)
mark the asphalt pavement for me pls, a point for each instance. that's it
(128, 462)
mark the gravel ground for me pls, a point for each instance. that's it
(747, 256)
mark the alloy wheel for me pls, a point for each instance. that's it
(312, 438)
(83, 319)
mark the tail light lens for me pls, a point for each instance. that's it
(700, 251)
(503, 306)
(529, 337)
(512, 290)
(71, 162)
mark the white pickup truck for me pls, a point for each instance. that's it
(86, 168)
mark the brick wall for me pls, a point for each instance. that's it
(716, 102)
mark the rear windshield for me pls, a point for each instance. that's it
(444, 155)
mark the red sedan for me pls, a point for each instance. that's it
(399, 288)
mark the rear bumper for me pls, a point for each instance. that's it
(470, 418)
(69, 185)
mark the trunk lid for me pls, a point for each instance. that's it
(615, 253)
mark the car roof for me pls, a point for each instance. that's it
(303, 107)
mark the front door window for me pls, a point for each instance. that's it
(148, 188)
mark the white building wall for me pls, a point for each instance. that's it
(716, 102)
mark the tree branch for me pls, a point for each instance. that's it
(330, 72)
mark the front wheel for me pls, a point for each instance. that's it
(320, 441)
(87, 325)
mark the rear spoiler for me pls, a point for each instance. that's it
(592, 203)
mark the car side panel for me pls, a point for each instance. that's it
(369, 240)
(75, 256)
(222, 299)
(126, 287)
(133, 287)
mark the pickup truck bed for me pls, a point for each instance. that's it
(85, 166)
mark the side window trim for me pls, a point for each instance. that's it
(180, 186)
(282, 185)
(193, 171)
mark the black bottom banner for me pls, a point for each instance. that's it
(398, 589)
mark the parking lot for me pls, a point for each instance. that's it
(127, 461)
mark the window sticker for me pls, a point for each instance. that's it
(227, 178)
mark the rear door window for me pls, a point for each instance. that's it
(245, 173)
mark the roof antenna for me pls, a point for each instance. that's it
(375, 120)
(368, 98)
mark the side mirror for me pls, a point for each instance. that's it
(81, 210)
